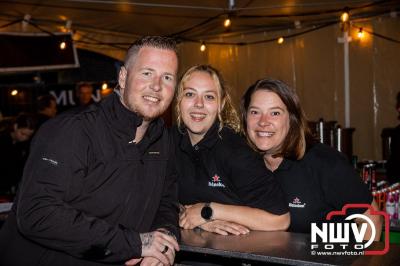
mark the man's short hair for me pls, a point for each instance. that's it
(81, 85)
(44, 101)
(161, 42)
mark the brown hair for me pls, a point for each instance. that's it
(44, 101)
(227, 115)
(161, 42)
(82, 84)
(299, 135)
(22, 120)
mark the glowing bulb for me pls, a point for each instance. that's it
(344, 17)
(202, 47)
(104, 86)
(63, 45)
(360, 33)
(227, 23)
(281, 40)
(14, 92)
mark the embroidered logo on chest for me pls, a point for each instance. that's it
(296, 203)
(215, 181)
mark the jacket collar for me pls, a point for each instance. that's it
(125, 122)
(209, 140)
(286, 164)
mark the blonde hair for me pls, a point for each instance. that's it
(227, 115)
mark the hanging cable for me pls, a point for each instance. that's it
(377, 34)
(11, 23)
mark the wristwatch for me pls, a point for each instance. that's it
(207, 212)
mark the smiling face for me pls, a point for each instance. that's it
(85, 95)
(21, 134)
(199, 104)
(147, 86)
(267, 121)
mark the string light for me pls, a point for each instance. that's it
(227, 22)
(345, 16)
(297, 24)
(360, 33)
(104, 86)
(280, 40)
(14, 92)
(63, 45)
(67, 27)
(202, 47)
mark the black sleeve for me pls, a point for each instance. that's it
(59, 153)
(168, 211)
(339, 181)
(253, 182)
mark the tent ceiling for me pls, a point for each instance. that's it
(117, 23)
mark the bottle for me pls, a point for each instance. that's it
(321, 130)
(367, 177)
(365, 174)
(396, 204)
(373, 177)
(390, 205)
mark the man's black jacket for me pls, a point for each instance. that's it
(88, 190)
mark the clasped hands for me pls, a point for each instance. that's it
(158, 249)
(190, 217)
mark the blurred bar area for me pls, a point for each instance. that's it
(332, 134)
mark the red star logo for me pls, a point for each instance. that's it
(215, 178)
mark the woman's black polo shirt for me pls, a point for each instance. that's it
(321, 182)
(223, 168)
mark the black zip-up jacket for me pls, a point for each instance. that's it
(88, 190)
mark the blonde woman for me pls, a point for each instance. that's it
(223, 184)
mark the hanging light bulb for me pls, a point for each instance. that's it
(345, 16)
(280, 40)
(360, 33)
(202, 47)
(297, 24)
(227, 22)
(63, 45)
(104, 86)
(14, 92)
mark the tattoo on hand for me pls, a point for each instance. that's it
(167, 232)
(147, 239)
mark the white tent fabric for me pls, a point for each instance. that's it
(310, 59)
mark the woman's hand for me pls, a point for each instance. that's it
(191, 217)
(224, 228)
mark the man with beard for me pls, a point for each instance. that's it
(99, 187)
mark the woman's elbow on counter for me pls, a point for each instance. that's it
(284, 222)
(277, 223)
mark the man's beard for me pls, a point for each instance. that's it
(143, 113)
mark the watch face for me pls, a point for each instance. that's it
(206, 212)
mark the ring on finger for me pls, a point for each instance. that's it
(165, 249)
